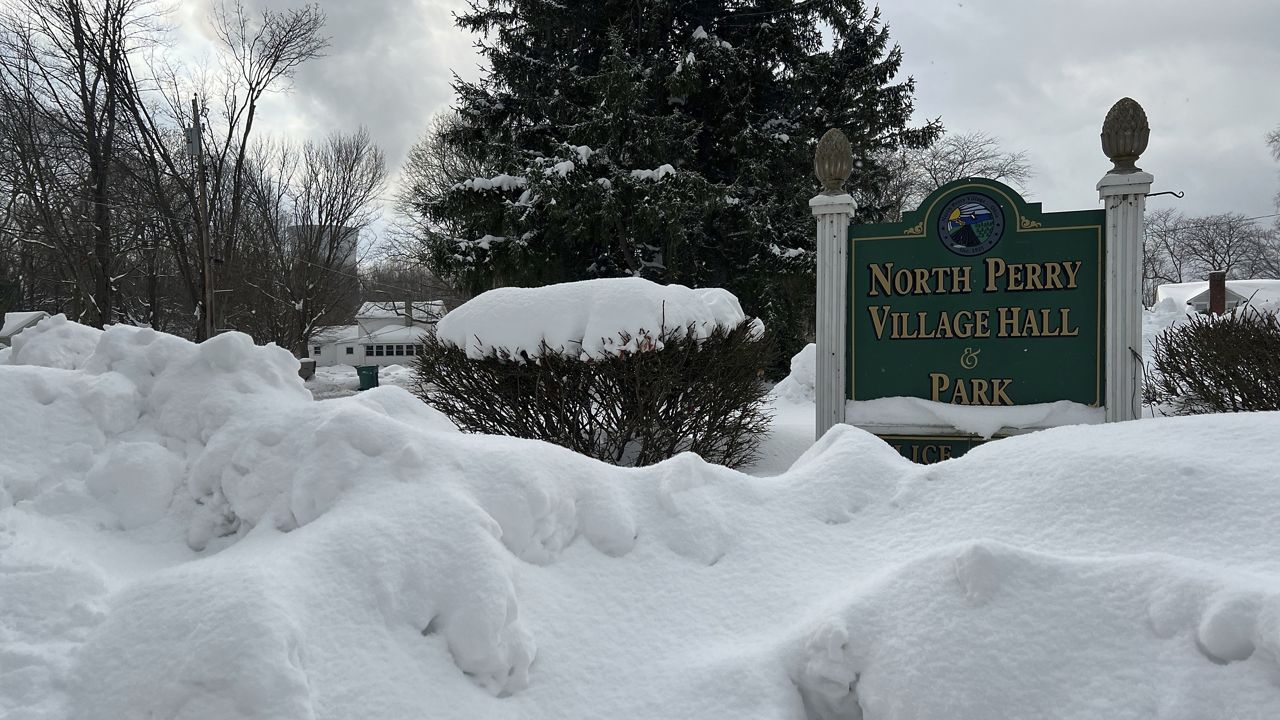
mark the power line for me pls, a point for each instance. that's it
(1232, 221)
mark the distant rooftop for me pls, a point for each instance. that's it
(1182, 293)
(15, 322)
(423, 310)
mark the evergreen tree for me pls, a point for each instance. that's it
(671, 139)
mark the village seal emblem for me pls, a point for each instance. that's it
(970, 224)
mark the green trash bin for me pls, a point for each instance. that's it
(368, 376)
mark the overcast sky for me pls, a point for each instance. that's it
(1039, 75)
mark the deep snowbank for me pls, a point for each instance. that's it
(363, 559)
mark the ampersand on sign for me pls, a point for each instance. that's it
(969, 358)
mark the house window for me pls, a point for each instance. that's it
(315, 349)
(351, 350)
(399, 350)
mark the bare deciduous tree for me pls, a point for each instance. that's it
(913, 174)
(305, 209)
(63, 85)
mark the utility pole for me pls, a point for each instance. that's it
(195, 146)
(153, 289)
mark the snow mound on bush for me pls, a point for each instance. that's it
(358, 557)
(586, 318)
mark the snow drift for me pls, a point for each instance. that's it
(186, 534)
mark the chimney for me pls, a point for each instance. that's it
(1217, 292)
(408, 313)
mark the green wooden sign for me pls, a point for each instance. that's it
(978, 298)
(929, 449)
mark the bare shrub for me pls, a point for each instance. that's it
(1228, 363)
(705, 396)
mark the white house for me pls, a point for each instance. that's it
(385, 333)
(16, 322)
(1196, 294)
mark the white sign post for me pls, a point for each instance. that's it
(1124, 191)
(833, 208)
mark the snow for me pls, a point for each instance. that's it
(798, 387)
(888, 415)
(1261, 291)
(586, 318)
(915, 415)
(497, 182)
(561, 168)
(332, 381)
(384, 310)
(14, 320)
(185, 533)
(54, 342)
(656, 174)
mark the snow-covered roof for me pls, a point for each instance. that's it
(425, 310)
(395, 334)
(337, 334)
(353, 334)
(1183, 293)
(14, 322)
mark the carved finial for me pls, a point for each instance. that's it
(833, 161)
(1124, 136)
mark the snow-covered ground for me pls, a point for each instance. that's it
(186, 533)
(333, 381)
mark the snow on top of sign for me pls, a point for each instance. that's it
(586, 318)
(981, 420)
(358, 557)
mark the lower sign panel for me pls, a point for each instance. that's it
(928, 449)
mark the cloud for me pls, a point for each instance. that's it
(1042, 76)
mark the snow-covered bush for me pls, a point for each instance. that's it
(1229, 363)
(623, 370)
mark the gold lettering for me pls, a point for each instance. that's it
(980, 392)
(993, 272)
(1053, 276)
(982, 319)
(1066, 330)
(1071, 273)
(946, 452)
(878, 318)
(922, 330)
(944, 325)
(961, 395)
(964, 324)
(922, 282)
(1031, 328)
(1045, 324)
(960, 279)
(1033, 277)
(900, 277)
(1015, 277)
(938, 383)
(998, 396)
(880, 277)
(1009, 322)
